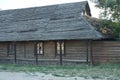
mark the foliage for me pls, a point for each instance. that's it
(114, 26)
(112, 12)
(111, 9)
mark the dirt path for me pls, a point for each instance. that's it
(34, 76)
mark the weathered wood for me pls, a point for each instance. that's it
(7, 49)
(60, 42)
(30, 50)
(101, 51)
(24, 50)
(87, 51)
(64, 48)
(106, 51)
(55, 43)
(15, 58)
(75, 49)
(43, 47)
(91, 53)
(35, 52)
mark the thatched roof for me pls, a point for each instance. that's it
(106, 32)
(56, 22)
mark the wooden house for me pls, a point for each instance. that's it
(57, 34)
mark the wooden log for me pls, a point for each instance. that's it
(91, 53)
(14, 45)
(7, 49)
(87, 51)
(35, 53)
(60, 42)
(55, 43)
(24, 50)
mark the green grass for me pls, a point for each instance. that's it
(108, 71)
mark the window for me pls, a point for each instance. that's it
(58, 47)
(10, 49)
(40, 48)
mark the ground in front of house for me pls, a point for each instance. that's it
(34, 76)
(79, 72)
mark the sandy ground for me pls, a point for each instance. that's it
(34, 76)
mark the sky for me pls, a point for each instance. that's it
(15, 4)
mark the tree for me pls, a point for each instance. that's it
(112, 12)
(111, 9)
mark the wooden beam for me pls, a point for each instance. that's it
(64, 48)
(24, 50)
(60, 42)
(55, 43)
(7, 49)
(91, 53)
(14, 45)
(35, 53)
(43, 47)
(87, 51)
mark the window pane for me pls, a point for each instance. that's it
(58, 47)
(40, 48)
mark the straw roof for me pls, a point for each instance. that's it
(106, 32)
(56, 22)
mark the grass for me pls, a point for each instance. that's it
(103, 71)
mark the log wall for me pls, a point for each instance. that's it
(75, 50)
(103, 51)
(106, 51)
